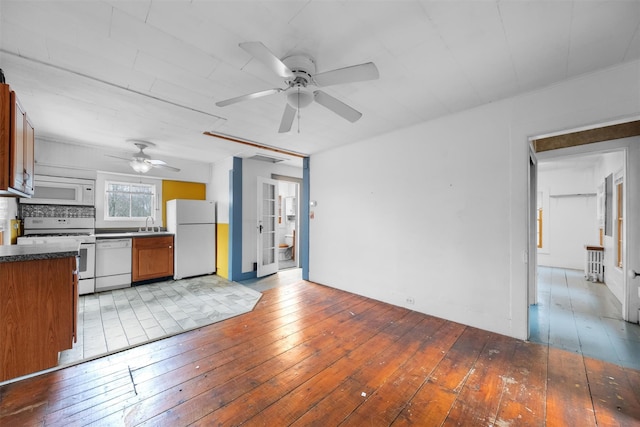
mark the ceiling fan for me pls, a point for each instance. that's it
(299, 72)
(141, 162)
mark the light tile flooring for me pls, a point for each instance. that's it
(115, 320)
(577, 315)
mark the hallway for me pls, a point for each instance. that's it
(580, 316)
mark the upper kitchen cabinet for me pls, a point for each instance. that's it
(17, 139)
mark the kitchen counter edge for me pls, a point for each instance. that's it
(132, 234)
(16, 253)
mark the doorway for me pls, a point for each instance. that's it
(288, 223)
(571, 309)
(623, 136)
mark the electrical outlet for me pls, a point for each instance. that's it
(410, 300)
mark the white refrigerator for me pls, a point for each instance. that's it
(193, 223)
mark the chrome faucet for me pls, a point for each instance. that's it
(146, 223)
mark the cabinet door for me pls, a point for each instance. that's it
(16, 148)
(152, 258)
(75, 296)
(35, 315)
(5, 130)
(29, 143)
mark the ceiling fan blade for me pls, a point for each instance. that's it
(355, 73)
(287, 119)
(128, 159)
(337, 106)
(260, 51)
(161, 164)
(248, 97)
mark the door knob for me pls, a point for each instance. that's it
(633, 274)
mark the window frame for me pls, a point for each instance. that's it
(619, 223)
(154, 199)
(543, 219)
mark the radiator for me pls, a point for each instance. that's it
(594, 270)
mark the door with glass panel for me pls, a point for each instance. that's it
(267, 239)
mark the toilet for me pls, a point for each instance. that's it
(284, 252)
(284, 249)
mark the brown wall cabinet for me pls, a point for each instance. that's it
(152, 258)
(38, 314)
(17, 141)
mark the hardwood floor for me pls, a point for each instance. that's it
(312, 355)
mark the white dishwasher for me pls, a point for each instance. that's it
(113, 264)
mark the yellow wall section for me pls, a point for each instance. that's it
(15, 231)
(222, 250)
(198, 191)
(181, 190)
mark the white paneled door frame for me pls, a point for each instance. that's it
(267, 216)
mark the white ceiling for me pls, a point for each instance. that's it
(102, 72)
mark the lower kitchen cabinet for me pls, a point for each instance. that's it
(152, 258)
(38, 314)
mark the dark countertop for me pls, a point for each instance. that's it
(15, 253)
(131, 234)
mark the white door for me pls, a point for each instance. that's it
(267, 216)
(532, 256)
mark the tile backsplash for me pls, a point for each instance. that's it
(56, 211)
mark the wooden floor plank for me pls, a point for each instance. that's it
(612, 394)
(482, 392)
(568, 397)
(246, 377)
(306, 354)
(433, 401)
(294, 404)
(286, 409)
(521, 403)
(364, 381)
(384, 406)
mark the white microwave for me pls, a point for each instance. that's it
(55, 190)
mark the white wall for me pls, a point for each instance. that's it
(613, 276)
(218, 188)
(437, 213)
(8, 211)
(570, 216)
(251, 170)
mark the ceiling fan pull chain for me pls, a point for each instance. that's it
(298, 106)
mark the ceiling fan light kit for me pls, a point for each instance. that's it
(140, 166)
(141, 162)
(299, 72)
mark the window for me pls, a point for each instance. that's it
(539, 219)
(619, 224)
(539, 227)
(126, 201)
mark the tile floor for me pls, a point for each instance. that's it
(584, 317)
(114, 320)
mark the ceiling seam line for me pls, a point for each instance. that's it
(77, 73)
